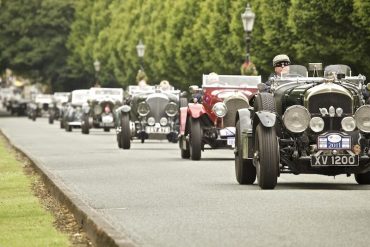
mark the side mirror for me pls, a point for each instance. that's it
(193, 89)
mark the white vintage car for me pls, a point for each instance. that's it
(73, 115)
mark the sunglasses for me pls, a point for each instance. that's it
(282, 64)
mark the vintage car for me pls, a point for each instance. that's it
(72, 117)
(17, 104)
(99, 113)
(151, 113)
(60, 100)
(6, 94)
(210, 119)
(39, 106)
(312, 125)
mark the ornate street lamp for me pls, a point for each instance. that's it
(97, 69)
(248, 21)
(140, 48)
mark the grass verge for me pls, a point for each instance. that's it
(29, 216)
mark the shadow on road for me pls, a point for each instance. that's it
(321, 186)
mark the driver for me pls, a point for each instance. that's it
(281, 64)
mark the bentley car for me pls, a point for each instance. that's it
(40, 106)
(210, 118)
(151, 113)
(60, 99)
(72, 116)
(99, 113)
(313, 125)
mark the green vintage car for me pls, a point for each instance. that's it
(316, 125)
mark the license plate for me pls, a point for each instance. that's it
(107, 119)
(153, 129)
(334, 160)
(231, 141)
(334, 141)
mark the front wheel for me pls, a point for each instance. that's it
(266, 156)
(85, 128)
(185, 152)
(195, 140)
(125, 131)
(244, 168)
(363, 178)
(51, 118)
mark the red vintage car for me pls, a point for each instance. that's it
(210, 120)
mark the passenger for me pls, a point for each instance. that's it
(164, 85)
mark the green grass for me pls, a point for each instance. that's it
(23, 221)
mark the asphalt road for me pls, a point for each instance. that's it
(158, 199)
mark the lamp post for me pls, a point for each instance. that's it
(97, 69)
(140, 48)
(248, 21)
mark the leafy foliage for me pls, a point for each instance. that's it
(184, 39)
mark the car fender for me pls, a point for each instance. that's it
(124, 109)
(246, 127)
(183, 116)
(266, 118)
(195, 110)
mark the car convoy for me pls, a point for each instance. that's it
(299, 124)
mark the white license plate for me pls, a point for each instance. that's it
(160, 130)
(334, 141)
(107, 119)
(231, 141)
(334, 160)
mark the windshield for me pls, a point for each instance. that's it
(80, 96)
(104, 93)
(337, 69)
(214, 80)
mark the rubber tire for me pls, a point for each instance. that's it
(67, 127)
(125, 131)
(195, 139)
(51, 118)
(267, 165)
(119, 140)
(62, 123)
(264, 101)
(85, 128)
(106, 129)
(363, 178)
(33, 116)
(185, 153)
(245, 171)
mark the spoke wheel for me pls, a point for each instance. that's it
(125, 131)
(195, 140)
(244, 168)
(266, 157)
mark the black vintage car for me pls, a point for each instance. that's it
(72, 115)
(317, 125)
(151, 113)
(99, 113)
(60, 99)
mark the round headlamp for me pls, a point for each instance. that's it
(317, 124)
(171, 109)
(151, 121)
(220, 109)
(362, 117)
(143, 109)
(163, 121)
(348, 124)
(98, 109)
(296, 118)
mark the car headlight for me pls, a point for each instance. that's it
(171, 109)
(143, 109)
(348, 124)
(98, 109)
(151, 121)
(220, 109)
(163, 121)
(317, 124)
(362, 117)
(296, 118)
